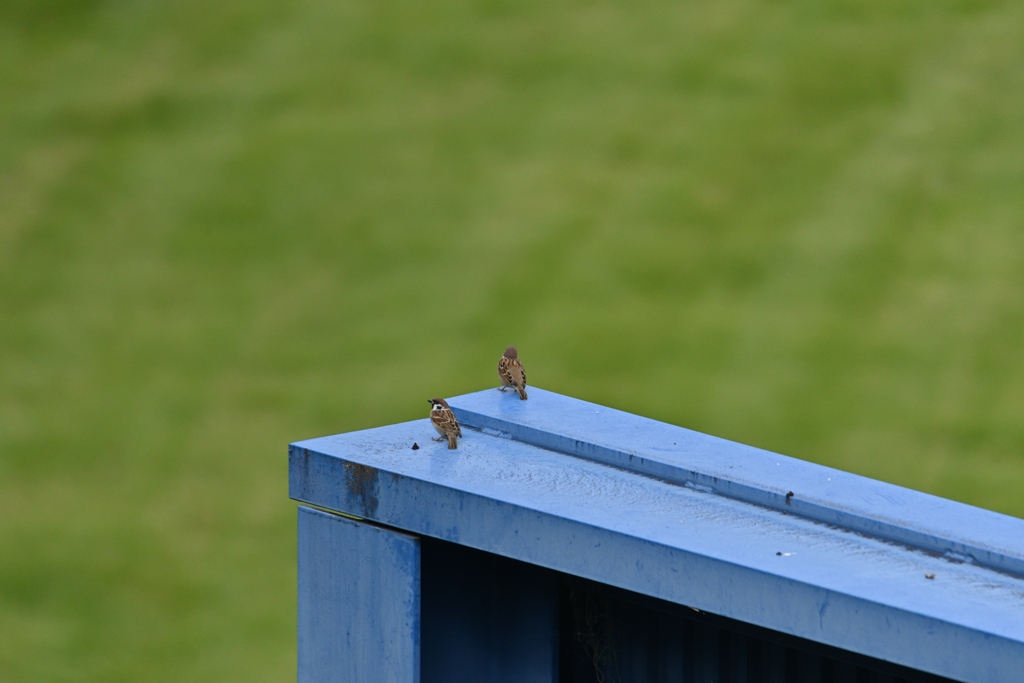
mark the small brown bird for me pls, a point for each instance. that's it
(510, 370)
(444, 422)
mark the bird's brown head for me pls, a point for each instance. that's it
(438, 402)
(511, 352)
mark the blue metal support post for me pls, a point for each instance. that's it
(359, 602)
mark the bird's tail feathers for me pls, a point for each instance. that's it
(522, 393)
(452, 442)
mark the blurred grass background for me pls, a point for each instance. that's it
(225, 226)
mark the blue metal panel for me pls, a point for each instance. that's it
(828, 495)
(684, 543)
(359, 602)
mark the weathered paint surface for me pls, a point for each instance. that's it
(683, 543)
(359, 602)
(752, 474)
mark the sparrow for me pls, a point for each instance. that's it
(510, 370)
(443, 419)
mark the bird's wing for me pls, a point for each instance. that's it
(515, 373)
(503, 372)
(445, 419)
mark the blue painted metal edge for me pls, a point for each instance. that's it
(361, 474)
(587, 430)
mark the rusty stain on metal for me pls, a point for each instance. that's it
(362, 482)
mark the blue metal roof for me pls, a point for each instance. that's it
(696, 520)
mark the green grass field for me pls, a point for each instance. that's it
(227, 226)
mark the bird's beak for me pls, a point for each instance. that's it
(430, 401)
